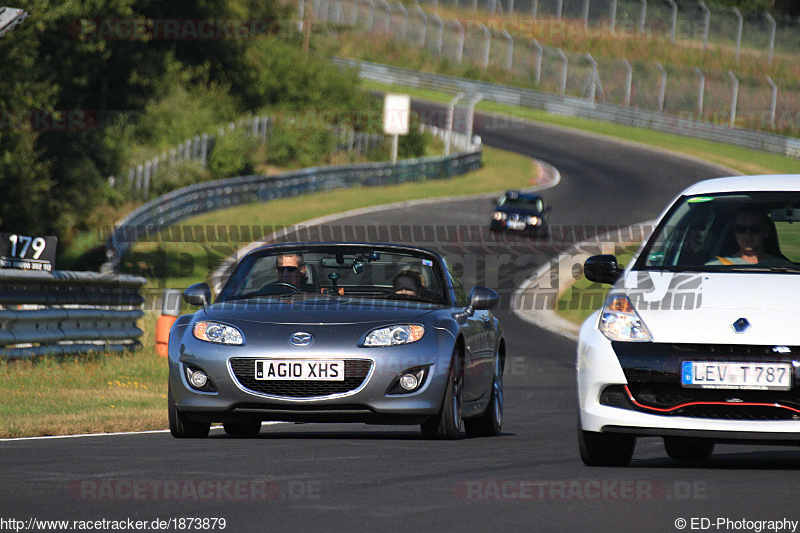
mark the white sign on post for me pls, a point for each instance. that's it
(396, 111)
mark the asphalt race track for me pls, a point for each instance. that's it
(305, 477)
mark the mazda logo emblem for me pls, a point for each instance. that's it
(301, 338)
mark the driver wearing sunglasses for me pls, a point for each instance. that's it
(291, 268)
(751, 226)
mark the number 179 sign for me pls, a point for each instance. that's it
(27, 253)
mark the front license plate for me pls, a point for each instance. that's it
(757, 376)
(515, 224)
(300, 370)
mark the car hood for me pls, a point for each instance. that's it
(309, 311)
(703, 307)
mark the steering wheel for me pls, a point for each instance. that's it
(266, 289)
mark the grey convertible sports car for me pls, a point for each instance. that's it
(338, 332)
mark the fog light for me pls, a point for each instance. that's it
(409, 382)
(198, 379)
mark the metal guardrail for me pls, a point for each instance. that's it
(147, 221)
(579, 107)
(58, 313)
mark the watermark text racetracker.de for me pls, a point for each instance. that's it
(125, 524)
(578, 490)
(735, 524)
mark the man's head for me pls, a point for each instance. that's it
(408, 283)
(291, 269)
(752, 227)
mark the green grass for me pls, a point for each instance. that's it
(177, 265)
(738, 159)
(585, 297)
(86, 393)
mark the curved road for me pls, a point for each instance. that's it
(373, 478)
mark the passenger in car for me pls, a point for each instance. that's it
(754, 232)
(407, 283)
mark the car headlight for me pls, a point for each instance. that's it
(216, 332)
(619, 321)
(499, 215)
(533, 221)
(392, 335)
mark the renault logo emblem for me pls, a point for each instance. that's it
(301, 338)
(741, 325)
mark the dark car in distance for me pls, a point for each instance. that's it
(522, 212)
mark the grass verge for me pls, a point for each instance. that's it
(85, 394)
(585, 297)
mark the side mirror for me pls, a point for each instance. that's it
(602, 269)
(198, 294)
(482, 298)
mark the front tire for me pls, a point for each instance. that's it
(242, 429)
(446, 425)
(605, 449)
(180, 425)
(688, 449)
(490, 423)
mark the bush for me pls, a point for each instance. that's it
(298, 147)
(181, 174)
(233, 155)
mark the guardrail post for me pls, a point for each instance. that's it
(734, 97)
(591, 86)
(562, 88)
(460, 47)
(643, 16)
(662, 92)
(772, 28)
(739, 25)
(487, 43)
(451, 108)
(586, 14)
(440, 36)
(538, 63)
(424, 19)
(672, 31)
(509, 51)
(706, 22)
(559, 8)
(612, 24)
(371, 14)
(700, 92)
(773, 106)
(470, 118)
(628, 83)
(404, 27)
(139, 177)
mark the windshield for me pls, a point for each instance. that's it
(335, 271)
(528, 204)
(757, 231)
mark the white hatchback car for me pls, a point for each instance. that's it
(698, 341)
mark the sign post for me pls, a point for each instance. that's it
(396, 111)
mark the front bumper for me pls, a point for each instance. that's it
(363, 397)
(648, 377)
